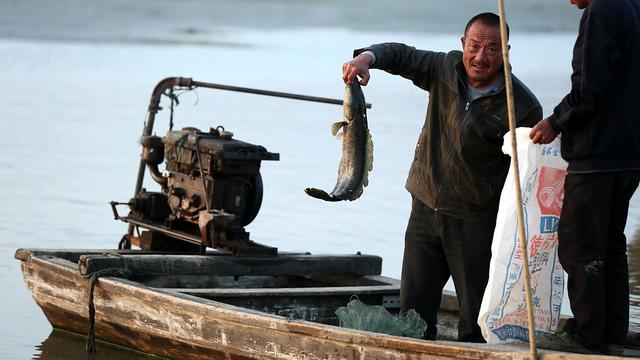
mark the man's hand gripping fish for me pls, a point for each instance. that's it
(357, 149)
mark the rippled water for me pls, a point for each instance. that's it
(62, 345)
(76, 96)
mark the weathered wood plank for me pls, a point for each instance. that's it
(73, 255)
(350, 280)
(260, 336)
(298, 265)
(322, 291)
(281, 281)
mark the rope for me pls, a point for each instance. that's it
(93, 278)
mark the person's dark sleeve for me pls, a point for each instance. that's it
(593, 67)
(419, 66)
(532, 117)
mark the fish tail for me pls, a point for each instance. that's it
(320, 194)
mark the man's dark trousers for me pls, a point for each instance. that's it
(592, 250)
(438, 246)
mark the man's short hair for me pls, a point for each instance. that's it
(487, 18)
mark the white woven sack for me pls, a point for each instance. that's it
(503, 314)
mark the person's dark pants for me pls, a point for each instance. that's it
(438, 246)
(592, 250)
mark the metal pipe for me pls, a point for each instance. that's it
(178, 235)
(156, 175)
(271, 93)
(154, 107)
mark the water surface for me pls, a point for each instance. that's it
(77, 83)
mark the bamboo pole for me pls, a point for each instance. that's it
(514, 159)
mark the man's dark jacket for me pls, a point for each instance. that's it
(458, 168)
(599, 119)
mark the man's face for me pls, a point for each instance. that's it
(581, 4)
(481, 54)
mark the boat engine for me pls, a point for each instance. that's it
(211, 189)
(211, 186)
(206, 173)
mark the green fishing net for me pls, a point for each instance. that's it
(360, 316)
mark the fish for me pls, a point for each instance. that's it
(357, 149)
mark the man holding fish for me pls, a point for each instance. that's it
(458, 169)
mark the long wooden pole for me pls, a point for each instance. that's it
(514, 159)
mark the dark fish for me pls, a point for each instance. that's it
(357, 149)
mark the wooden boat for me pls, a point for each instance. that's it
(224, 307)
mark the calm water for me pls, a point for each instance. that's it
(77, 79)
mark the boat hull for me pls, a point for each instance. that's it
(173, 324)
